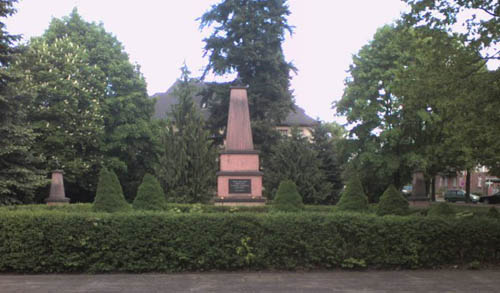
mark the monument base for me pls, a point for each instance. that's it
(239, 201)
(57, 202)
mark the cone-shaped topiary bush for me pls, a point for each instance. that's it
(493, 213)
(353, 197)
(287, 198)
(109, 196)
(441, 209)
(392, 202)
(150, 195)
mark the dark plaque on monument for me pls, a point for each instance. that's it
(240, 186)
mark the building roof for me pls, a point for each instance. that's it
(165, 101)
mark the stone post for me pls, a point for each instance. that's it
(418, 194)
(57, 195)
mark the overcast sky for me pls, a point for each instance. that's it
(160, 35)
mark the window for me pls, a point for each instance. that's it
(455, 182)
(283, 132)
(479, 181)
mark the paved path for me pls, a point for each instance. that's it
(337, 281)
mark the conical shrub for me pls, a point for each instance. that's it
(109, 196)
(353, 197)
(493, 213)
(287, 198)
(392, 202)
(150, 195)
(441, 209)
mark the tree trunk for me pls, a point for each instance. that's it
(467, 186)
(433, 188)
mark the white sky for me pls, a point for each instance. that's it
(160, 35)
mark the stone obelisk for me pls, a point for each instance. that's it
(57, 195)
(239, 181)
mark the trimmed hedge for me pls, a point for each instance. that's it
(287, 198)
(52, 241)
(109, 195)
(392, 202)
(442, 209)
(353, 198)
(150, 195)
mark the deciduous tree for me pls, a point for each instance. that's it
(20, 169)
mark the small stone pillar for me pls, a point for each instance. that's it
(418, 194)
(57, 195)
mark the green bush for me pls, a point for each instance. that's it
(353, 197)
(150, 195)
(493, 213)
(109, 196)
(441, 209)
(52, 241)
(287, 198)
(392, 202)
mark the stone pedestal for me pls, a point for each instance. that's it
(239, 181)
(418, 195)
(57, 195)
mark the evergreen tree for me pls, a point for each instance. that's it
(325, 138)
(20, 175)
(109, 195)
(392, 202)
(287, 198)
(353, 197)
(246, 39)
(150, 195)
(187, 164)
(295, 159)
(64, 109)
(129, 143)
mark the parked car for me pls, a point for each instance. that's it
(453, 195)
(407, 190)
(495, 198)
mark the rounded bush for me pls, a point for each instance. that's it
(392, 202)
(353, 198)
(441, 209)
(287, 198)
(109, 196)
(150, 195)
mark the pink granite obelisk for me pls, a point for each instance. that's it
(57, 194)
(239, 181)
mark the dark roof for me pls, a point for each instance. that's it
(165, 101)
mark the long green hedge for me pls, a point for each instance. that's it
(55, 241)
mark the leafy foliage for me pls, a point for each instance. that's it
(150, 195)
(480, 18)
(187, 164)
(353, 197)
(441, 209)
(128, 143)
(295, 159)
(20, 171)
(64, 109)
(400, 100)
(287, 198)
(493, 213)
(172, 242)
(480, 22)
(109, 197)
(392, 202)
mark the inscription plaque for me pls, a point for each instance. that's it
(240, 186)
